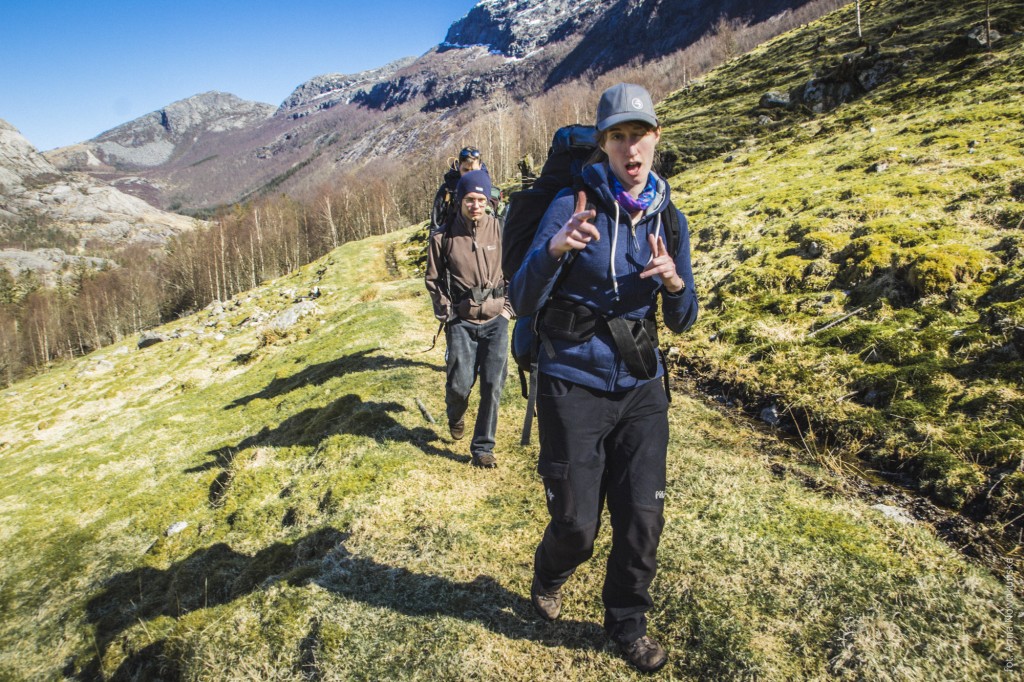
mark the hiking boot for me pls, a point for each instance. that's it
(485, 461)
(457, 429)
(645, 654)
(547, 604)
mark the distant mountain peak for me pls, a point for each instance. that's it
(327, 90)
(152, 139)
(517, 28)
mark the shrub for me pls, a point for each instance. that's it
(898, 229)
(822, 243)
(936, 270)
(866, 257)
(949, 478)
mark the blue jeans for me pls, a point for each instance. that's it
(476, 349)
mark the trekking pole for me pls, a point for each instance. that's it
(440, 328)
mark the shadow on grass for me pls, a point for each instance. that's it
(315, 375)
(219, 575)
(347, 415)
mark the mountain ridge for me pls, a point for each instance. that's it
(515, 49)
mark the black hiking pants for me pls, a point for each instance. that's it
(597, 446)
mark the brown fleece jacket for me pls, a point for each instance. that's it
(471, 258)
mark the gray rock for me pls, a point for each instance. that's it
(894, 513)
(770, 415)
(152, 139)
(822, 95)
(775, 100)
(975, 38)
(328, 90)
(49, 263)
(520, 27)
(877, 74)
(293, 314)
(148, 339)
(176, 528)
(98, 366)
(32, 186)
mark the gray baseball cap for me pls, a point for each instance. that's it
(625, 102)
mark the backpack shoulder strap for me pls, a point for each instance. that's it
(539, 338)
(672, 228)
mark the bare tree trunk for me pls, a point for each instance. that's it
(252, 260)
(223, 294)
(988, 26)
(94, 325)
(329, 219)
(259, 242)
(860, 36)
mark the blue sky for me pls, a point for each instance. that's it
(72, 69)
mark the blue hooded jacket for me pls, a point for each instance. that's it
(605, 278)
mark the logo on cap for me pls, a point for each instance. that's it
(637, 104)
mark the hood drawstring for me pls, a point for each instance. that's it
(615, 240)
(657, 233)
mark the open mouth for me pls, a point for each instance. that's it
(633, 167)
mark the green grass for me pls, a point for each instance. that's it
(334, 534)
(796, 225)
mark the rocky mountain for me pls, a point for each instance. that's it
(215, 149)
(328, 90)
(33, 190)
(518, 28)
(156, 138)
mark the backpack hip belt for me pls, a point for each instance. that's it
(636, 340)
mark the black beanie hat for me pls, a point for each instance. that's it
(474, 181)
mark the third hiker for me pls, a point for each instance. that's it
(444, 208)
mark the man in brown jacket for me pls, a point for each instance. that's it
(467, 288)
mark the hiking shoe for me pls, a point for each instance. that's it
(485, 461)
(547, 604)
(645, 654)
(458, 429)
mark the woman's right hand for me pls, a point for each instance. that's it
(575, 234)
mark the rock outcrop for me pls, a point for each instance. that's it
(48, 263)
(518, 28)
(33, 189)
(328, 90)
(856, 75)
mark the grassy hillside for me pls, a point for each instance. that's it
(862, 269)
(334, 533)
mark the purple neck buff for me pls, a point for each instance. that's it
(628, 201)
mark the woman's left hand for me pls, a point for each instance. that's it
(662, 265)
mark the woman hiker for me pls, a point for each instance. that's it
(601, 407)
